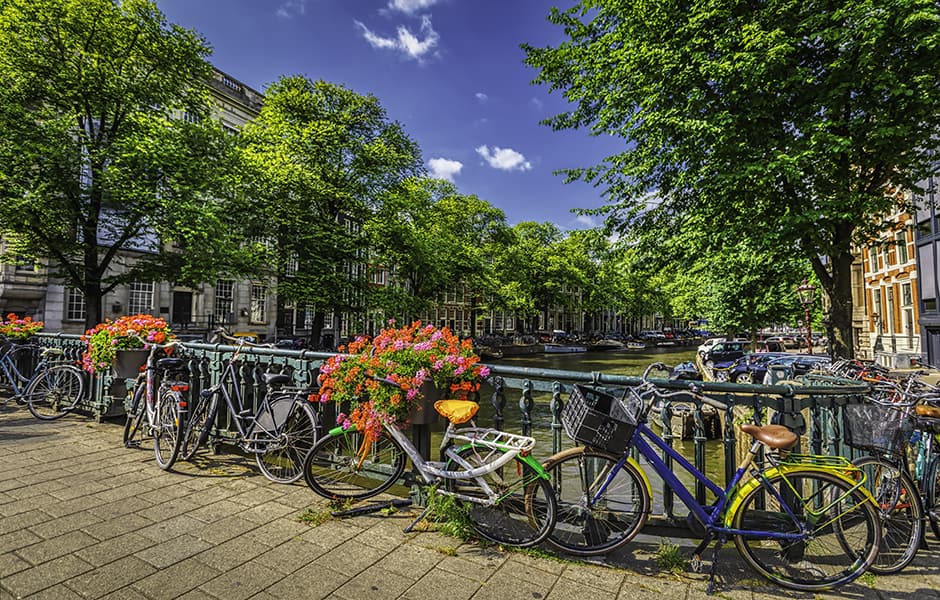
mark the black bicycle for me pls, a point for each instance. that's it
(54, 388)
(279, 434)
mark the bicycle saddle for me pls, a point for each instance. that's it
(774, 436)
(275, 379)
(925, 410)
(457, 411)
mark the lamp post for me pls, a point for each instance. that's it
(805, 292)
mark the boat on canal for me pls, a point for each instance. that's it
(554, 348)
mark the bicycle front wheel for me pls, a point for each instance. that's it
(135, 415)
(591, 521)
(295, 433)
(900, 510)
(525, 510)
(55, 391)
(168, 428)
(834, 527)
(199, 425)
(341, 466)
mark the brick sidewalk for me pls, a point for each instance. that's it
(82, 517)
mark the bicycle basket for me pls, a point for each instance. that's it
(596, 418)
(877, 427)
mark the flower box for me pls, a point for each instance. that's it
(127, 363)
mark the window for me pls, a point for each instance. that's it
(231, 84)
(378, 276)
(224, 300)
(74, 305)
(291, 266)
(901, 239)
(139, 298)
(907, 298)
(191, 117)
(873, 256)
(259, 297)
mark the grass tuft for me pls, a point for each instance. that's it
(669, 557)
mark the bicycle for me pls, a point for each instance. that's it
(159, 411)
(801, 521)
(278, 434)
(53, 390)
(490, 472)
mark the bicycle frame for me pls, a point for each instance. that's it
(244, 424)
(716, 517)
(18, 381)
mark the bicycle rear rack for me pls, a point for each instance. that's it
(815, 460)
(498, 440)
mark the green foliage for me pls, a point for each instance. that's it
(450, 516)
(669, 557)
(91, 151)
(785, 123)
(319, 158)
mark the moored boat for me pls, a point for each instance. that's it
(563, 349)
(606, 346)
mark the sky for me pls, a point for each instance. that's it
(450, 71)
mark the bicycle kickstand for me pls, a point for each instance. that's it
(696, 561)
(424, 513)
(714, 566)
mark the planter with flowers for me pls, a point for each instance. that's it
(123, 345)
(423, 360)
(19, 329)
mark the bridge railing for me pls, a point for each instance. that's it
(525, 400)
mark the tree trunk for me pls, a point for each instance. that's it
(316, 331)
(93, 309)
(838, 288)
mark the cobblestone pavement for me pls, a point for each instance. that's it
(82, 517)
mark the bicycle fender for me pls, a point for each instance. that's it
(633, 462)
(338, 430)
(744, 489)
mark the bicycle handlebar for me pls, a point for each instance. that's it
(694, 390)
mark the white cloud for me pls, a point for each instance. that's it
(586, 220)
(481, 97)
(291, 8)
(410, 7)
(536, 103)
(444, 168)
(504, 159)
(406, 42)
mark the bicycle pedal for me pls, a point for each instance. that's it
(132, 444)
(695, 563)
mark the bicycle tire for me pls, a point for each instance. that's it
(900, 510)
(932, 508)
(525, 512)
(55, 392)
(822, 559)
(296, 432)
(168, 428)
(199, 425)
(588, 528)
(333, 469)
(135, 414)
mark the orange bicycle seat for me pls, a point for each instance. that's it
(457, 411)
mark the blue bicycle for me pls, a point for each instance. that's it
(805, 522)
(53, 389)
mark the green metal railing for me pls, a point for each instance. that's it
(811, 410)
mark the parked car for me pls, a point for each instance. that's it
(751, 368)
(796, 364)
(685, 371)
(707, 345)
(771, 346)
(724, 352)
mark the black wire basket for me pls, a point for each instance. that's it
(596, 418)
(878, 428)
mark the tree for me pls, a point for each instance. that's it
(321, 158)
(92, 160)
(785, 121)
(431, 238)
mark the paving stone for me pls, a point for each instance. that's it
(57, 592)
(232, 553)
(467, 568)
(442, 585)
(331, 534)
(172, 551)
(18, 539)
(374, 582)
(175, 581)
(289, 556)
(312, 582)
(10, 563)
(223, 529)
(267, 512)
(595, 577)
(45, 575)
(352, 557)
(243, 582)
(276, 532)
(572, 589)
(170, 528)
(110, 577)
(72, 522)
(410, 561)
(214, 510)
(120, 507)
(114, 548)
(507, 587)
(106, 529)
(55, 547)
(257, 496)
(22, 521)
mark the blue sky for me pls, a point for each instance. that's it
(450, 71)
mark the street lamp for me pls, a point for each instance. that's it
(805, 292)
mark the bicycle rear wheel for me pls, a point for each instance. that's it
(836, 531)
(334, 467)
(55, 391)
(592, 522)
(932, 477)
(135, 415)
(900, 512)
(168, 428)
(525, 511)
(295, 433)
